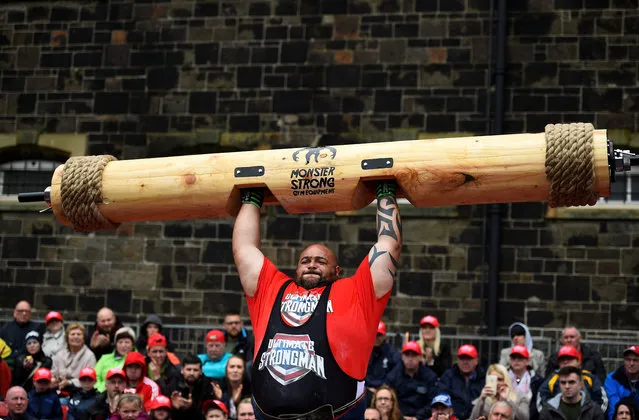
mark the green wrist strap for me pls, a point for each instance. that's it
(386, 188)
(253, 196)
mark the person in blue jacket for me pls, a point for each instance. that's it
(414, 384)
(215, 359)
(464, 381)
(623, 381)
(384, 358)
(84, 397)
(43, 401)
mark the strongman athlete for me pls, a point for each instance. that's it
(314, 333)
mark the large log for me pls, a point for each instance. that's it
(434, 172)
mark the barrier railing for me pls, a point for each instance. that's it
(190, 339)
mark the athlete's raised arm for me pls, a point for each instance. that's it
(383, 258)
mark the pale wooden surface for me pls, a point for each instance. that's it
(432, 172)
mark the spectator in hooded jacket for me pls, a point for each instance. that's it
(43, 401)
(124, 339)
(384, 358)
(159, 367)
(572, 403)
(623, 381)
(437, 355)
(84, 397)
(75, 356)
(14, 331)
(102, 340)
(151, 325)
(520, 336)
(135, 370)
(30, 359)
(53, 339)
(569, 356)
(413, 383)
(464, 381)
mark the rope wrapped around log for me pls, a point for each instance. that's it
(81, 192)
(570, 165)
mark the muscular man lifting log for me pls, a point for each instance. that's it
(314, 333)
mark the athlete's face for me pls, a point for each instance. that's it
(317, 267)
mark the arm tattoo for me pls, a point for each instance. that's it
(385, 210)
(375, 255)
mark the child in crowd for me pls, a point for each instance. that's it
(129, 407)
(160, 408)
(43, 401)
(215, 410)
(84, 397)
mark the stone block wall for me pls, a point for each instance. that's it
(159, 78)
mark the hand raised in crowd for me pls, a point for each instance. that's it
(217, 390)
(237, 394)
(486, 392)
(28, 362)
(502, 391)
(179, 402)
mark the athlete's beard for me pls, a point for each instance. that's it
(309, 284)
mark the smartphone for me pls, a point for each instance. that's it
(491, 382)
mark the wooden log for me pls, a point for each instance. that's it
(434, 172)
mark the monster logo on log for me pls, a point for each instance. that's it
(315, 152)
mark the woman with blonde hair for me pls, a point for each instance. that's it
(72, 358)
(503, 391)
(385, 401)
(437, 355)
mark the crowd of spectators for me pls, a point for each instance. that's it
(62, 371)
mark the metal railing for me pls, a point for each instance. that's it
(189, 339)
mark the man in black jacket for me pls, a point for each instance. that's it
(188, 396)
(115, 384)
(15, 331)
(238, 340)
(17, 404)
(590, 358)
(572, 403)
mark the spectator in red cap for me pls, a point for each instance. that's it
(384, 358)
(160, 408)
(464, 381)
(105, 402)
(43, 401)
(215, 359)
(570, 356)
(520, 336)
(590, 358)
(414, 384)
(53, 338)
(623, 381)
(215, 410)
(159, 366)
(525, 380)
(502, 390)
(30, 359)
(437, 355)
(135, 370)
(84, 397)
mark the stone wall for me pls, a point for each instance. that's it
(162, 78)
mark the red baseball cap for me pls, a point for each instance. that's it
(412, 346)
(115, 372)
(87, 372)
(381, 328)
(42, 374)
(53, 315)
(215, 336)
(520, 350)
(631, 349)
(467, 350)
(429, 320)
(569, 351)
(156, 339)
(160, 402)
(214, 403)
